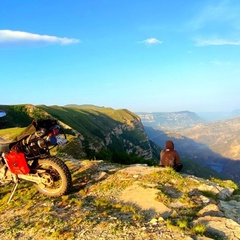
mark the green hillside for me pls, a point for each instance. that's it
(196, 169)
(96, 133)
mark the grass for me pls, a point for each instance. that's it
(90, 126)
(94, 206)
(116, 182)
(163, 197)
(10, 133)
(72, 199)
(225, 183)
(209, 194)
(199, 229)
(183, 217)
(183, 222)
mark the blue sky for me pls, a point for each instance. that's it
(143, 55)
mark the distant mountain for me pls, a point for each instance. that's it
(174, 121)
(216, 144)
(236, 113)
(104, 133)
(218, 116)
(222, 137)
(222, 140)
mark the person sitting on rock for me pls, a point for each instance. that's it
(169, 157)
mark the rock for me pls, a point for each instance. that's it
(236, 197)
(204, 200)
(177, 205)
(203, 238)
(231, 209)
(99, 176)
(139, 169)
(102, 213)
(210, 210)
(225, 193)
(220, 226)
(221, 192)
(145, 199)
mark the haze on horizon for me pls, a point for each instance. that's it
(145, 56)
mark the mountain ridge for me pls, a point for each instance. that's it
(98, 132)
(170, 120)
(106, 133)
(117, 201)
(214, 144)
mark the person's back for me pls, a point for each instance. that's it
(169, 157)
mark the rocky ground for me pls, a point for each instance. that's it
(110, 201)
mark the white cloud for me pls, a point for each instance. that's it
(215, 42)
(151, 41)
(220, 63)
(9, 36)
(216, 14)
(219, 22)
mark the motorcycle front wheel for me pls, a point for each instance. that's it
(55, 177)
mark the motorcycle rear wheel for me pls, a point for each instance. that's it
(56, 179)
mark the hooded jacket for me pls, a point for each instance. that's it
(169, 157)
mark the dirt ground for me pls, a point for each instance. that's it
(143, 197)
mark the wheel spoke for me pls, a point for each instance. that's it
(56, 179)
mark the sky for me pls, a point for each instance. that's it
(141, 55)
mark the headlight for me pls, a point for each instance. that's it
(52, 140)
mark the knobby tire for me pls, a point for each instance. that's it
(60, 174)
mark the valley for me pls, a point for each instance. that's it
(121, 136)
(213, 144)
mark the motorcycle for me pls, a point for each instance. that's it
(28, 158)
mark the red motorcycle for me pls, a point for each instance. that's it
(28, 158)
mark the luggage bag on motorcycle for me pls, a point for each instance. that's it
(17, 163)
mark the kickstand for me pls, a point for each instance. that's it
(13, 191)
